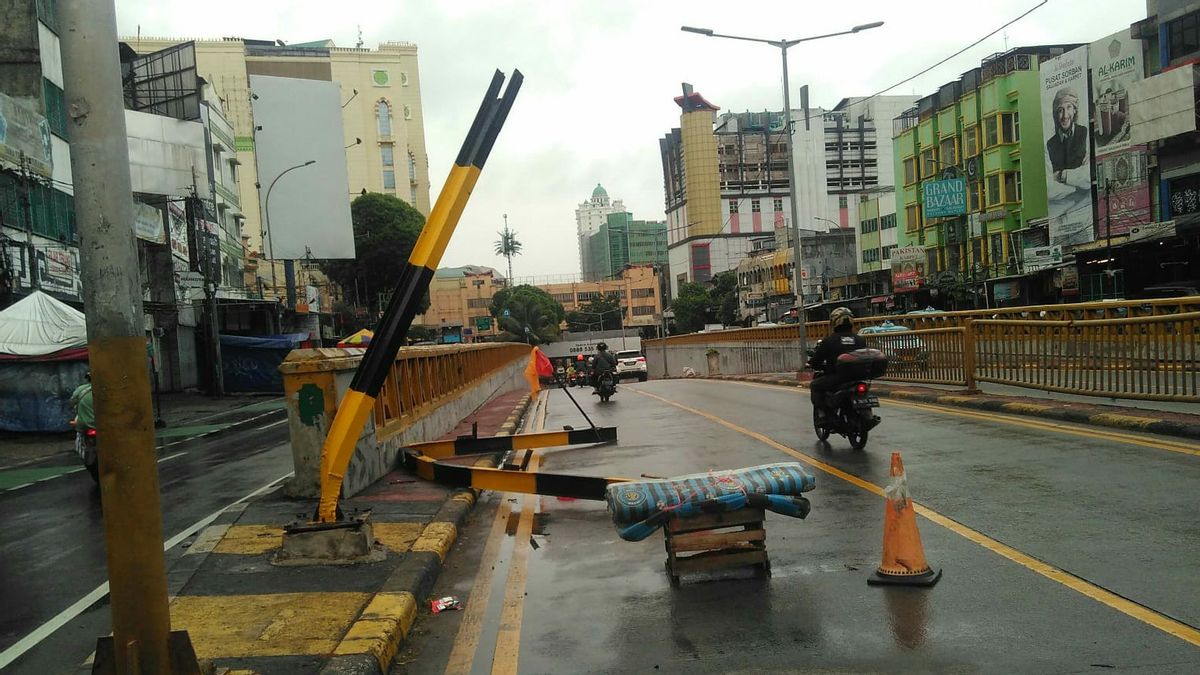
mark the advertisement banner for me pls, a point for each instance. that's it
(24, 131)
(1122, 182)
(945, 198)
(1006, 290)
(1065, 115)
(1041, 257)
(1116, 64)
(148, 223)
(177, 224)
(908, 268)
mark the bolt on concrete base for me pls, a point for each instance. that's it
(346, 543)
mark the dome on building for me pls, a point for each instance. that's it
(599, 192)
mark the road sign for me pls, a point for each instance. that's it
(506, 313)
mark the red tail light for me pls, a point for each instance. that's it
(90, 433)
(861, 388)
(641, 359)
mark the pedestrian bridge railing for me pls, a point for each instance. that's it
(1154, 355)
(427, 393)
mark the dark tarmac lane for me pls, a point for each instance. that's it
(52, 549)
(1065, 549)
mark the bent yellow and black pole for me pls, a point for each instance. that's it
(414, 281)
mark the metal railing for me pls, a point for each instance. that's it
(934, 356)
(423, 378)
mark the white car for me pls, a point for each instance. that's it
(631, 363)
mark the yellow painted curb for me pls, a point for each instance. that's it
(954, 399)
(250, 539)
(1123, 421)
(379, 630)
(396, 536)
(1032, 408)
(467, 496)
(278, 624)
(437, 537)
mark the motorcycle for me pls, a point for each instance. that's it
(848, 409)
(606, 386)
(85, 447)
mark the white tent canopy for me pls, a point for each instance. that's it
(40, 325)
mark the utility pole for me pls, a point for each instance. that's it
(142, 641)
(1112, 278)
(35, 280)
(210, 274)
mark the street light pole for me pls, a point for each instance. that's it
(289, 269)
(787, 112)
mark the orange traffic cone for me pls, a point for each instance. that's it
(903, 556)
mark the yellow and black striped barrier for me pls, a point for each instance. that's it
(508, 480)
(393, 326)
(471, 445)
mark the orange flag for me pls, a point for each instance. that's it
(539, 366)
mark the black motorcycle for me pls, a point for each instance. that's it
(606, 386)
(848, 409)
(85, 447)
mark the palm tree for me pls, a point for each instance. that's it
(528, 322)
(508, 246)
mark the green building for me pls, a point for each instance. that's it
(623, 241)
(985, 128)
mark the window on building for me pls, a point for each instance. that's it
(754, 206)
(843, 202)
(971, 141)
(997, 249)
(587, 296)
(991, 135)
(563, 297)
(1183, 35)
(931, 261)
(912, 217)
(1010, 127)
(389, 179)
(53, 211)
(974, 196)
(56, 108)
(1012, 186)
(388, 155)
(48, 13)
(887, 222)
(910, 171)
(641, 292)
(643, 310)
(733, 206)
(701, 263)
(929, 164)
(777, 204)
(478, 303)
(887, 251)
(949, 151)
(383, 111)
(412, 168)
(994, 196)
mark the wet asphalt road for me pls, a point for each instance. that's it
(52, 550)
(1116, 514)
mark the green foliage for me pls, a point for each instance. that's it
(691, 307)
(385, 229)
(421, 334)
(724, 297)
(603, 313)
(527, 307)
(508, 246)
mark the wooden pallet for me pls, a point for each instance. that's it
(717, 541)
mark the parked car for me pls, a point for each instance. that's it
(631, 363)
(900, 349)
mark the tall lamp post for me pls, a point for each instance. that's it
(831, 222)
(787, 112)
(289, 269)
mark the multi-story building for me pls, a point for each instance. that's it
(985, 127)
(877, 238)
(590, 216)
(382, 116)
(828, 259)
(637, 289)
(623, 241)
(460, 299)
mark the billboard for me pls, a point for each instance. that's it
(1065, 115)
(24, 132)
(148, 223)
(1116, 64)
(1041, 257)
(944, 198)
(178, 226)
(299, 132)
(1122, 183)
(908, 268)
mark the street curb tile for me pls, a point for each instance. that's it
(379, 629)
(1026, 408)
(437, 537)
(1123, 421)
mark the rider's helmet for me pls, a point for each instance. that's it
(579, 357)
(601, 347)
(841, 317)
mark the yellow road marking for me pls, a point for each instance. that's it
(462, 657)
(1058, 427)
(379, 629)
(396, 536)
(1123, 605)
(277, 624)
(250, 539)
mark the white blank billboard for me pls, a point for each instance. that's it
(298, 121)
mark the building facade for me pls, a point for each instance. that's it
(590, 216)
(636, 289)
(459, 302)
(621, 242)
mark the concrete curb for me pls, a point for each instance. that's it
(372, 641)
(1078, 415)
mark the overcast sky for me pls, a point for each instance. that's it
(600, 78)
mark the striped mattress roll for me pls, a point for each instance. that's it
(635, 501)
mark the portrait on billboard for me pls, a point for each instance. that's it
(1116, 64)
(1065, 118)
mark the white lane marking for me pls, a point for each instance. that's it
(273, 424)
(47, 629)
(164, 446)
(178, 454)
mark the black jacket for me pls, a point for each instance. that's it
(833, 346)
(1071, 153)
(605, 361)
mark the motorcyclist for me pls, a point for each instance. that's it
(824, 358)
(85, 413)
(603, 362)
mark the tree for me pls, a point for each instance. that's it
(385, 229)
(516, 309)
(692, 307)
(508, 246)
(602, 313)
(724, 297)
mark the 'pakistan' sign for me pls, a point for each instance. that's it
(944, 198)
